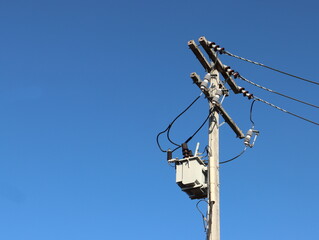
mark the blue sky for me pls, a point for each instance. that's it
(86, 86)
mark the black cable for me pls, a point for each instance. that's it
(157, 140)
(251, 113)
(275, 92)
(201, 126)
(232, 159)
(190, 138)
(169, 127)
(271, 68)
(171, 124)
(176, 148)
(253, 126)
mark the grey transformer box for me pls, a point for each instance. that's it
(191, 176)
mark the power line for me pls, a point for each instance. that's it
(285, 111)
(275, 92)
(265, 66)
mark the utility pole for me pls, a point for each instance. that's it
(213, 94)
(213, 231)
(194, 176)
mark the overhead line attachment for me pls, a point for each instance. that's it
(218, 64)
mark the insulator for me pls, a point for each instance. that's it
(215, 47)
(235, 74)
(185, 150)
(190, 153)
(210, 44)
(169, 154)
(230, 71)
(208, 76)
(221, 50)
(248, 136)
(241, 89)
(249, 95)
(216, 98)
(205, 82)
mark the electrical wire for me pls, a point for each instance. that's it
(251, 114)
(202, 214)
(275, 92)
(285, 111)
(271, 68)
(171, 124)
(190, 138)
(193, 135)
(252, 126)
(232, 159)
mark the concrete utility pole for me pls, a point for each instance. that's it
(213, 93)
(213, 231)
(197, 179)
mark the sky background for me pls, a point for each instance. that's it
(87, 85)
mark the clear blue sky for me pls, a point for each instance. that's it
(86, 86)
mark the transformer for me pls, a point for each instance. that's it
(191, 176)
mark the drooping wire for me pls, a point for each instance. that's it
(200, 127)
(232, 159)
(202, 214)
(171, 124)
(275, 92)
(285, 111)
(271, 68)
(190, 138)
(252, 126)
(251, 114)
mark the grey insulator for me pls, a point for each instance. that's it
(249, 134)
(206, 81)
